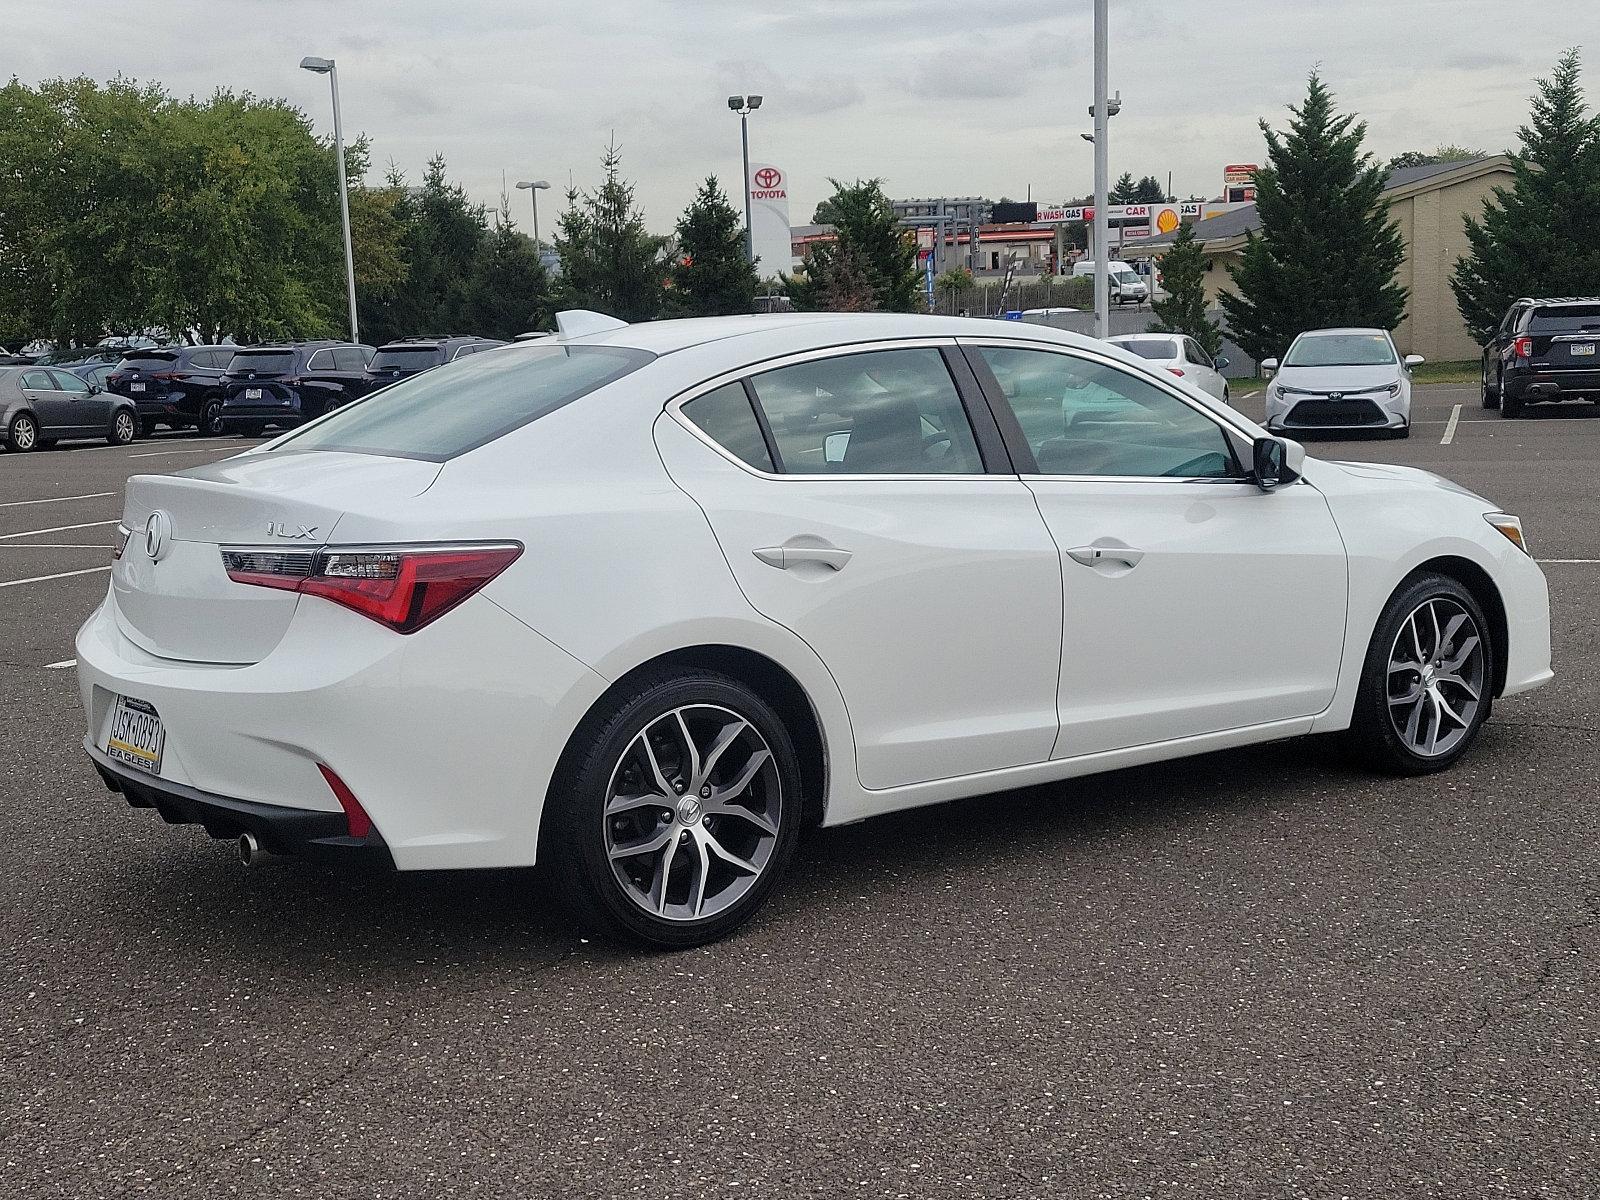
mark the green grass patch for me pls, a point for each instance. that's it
(1448, 372)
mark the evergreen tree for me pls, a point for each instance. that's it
(871, 249)
(1149, 191)
(1327, 251)
(1125, 190)
(509, 289)
(444, 231)
(609, 262)
(1183, 270)
(1537, 238)
(711, 277)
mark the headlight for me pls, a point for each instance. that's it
(1392, 390)
(1511, 527)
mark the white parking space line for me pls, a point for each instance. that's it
(1450, 429)
(62, 665)
(1548, 561)
(1248, 395)
(7, 537)
(58, 546)
(57, 499)
(57, 575)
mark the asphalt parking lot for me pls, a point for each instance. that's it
(1258, 973)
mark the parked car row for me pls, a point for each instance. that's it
(212, 390)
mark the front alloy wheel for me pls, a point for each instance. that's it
(23, 434)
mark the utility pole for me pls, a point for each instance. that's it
(1102, 181)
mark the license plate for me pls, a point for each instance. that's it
(252, 393)
(136, 736)
(136, 387)
(1580, 349)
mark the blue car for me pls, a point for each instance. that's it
(287, 384)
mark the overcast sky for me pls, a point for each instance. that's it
(952, 97)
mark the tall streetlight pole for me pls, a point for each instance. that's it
(744, 106)
(1102, 174)
(324, 66)
(533, 188)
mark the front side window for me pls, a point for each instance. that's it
(725, 416)
(439, 414)
(1341, 350)
(883, 412)
(1085, 418)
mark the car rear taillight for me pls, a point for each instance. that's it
(1178, 371)
(1522, 347)
(165, 374)
(403, 587)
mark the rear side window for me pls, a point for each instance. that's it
(725, 416)
(349, 358)
(885, 412)
(263, 362)
(440, 414)
(1569, 318)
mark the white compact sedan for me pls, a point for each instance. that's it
(1341, 379)
(641, 602)
(1180, 356)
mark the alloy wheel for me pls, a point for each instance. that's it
(1437, 674)
(123, 427)
(692, 812)
(24, 433)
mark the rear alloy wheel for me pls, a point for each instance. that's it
(23, 435)
(123, 428)
(1427, 684)
(680, 813)
(211, 420)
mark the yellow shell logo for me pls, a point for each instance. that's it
(1167, 220)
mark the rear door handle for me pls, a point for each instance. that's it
(1093, 556)
(785, 557)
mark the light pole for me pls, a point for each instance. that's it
(324, 66)
(533, 189)
(1102, 183)
(744, 106)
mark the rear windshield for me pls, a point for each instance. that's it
(262, 361)
(1341, 350)
(1151, 349)
(1569, 318)
(459, 407)
(407, 358)
(152, 361)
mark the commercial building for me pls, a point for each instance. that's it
(1429, 204)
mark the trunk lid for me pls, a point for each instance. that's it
(180, 603)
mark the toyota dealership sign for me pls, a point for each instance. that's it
(768, 189)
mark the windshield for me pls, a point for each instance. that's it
(1126, 277)
(1569, 318)
(407, 358)
(1340, 350)
(262, 362)
(1156, 348)
(442, 413)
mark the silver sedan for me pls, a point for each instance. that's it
(1341, 379)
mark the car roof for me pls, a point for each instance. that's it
(1145, 337)
(813, 329)
(1559, 301)
(1342, 330)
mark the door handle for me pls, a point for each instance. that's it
(1093, 556)
(785, 557)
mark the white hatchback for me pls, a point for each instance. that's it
(641, 602)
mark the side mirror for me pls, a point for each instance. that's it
(1269, 364)
(1275, 462)
(1220, 362)
(95, 389)
(834, 446)
(1414, 360)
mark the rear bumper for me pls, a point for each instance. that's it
(303, 832)
(276, 414)
(1533, 386)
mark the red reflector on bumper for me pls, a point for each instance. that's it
(360, 823)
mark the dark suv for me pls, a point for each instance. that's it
(176, 386)
(286, 384)
(410, 356)
(1543, 350)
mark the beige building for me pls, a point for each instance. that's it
(1428, 203)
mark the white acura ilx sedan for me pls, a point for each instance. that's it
(641, 602)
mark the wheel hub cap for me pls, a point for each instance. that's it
(689, 810)
(1437, 676)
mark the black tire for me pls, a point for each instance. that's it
(210, 424)
(124, 428)
(1489, 396)
(575, 836)
(1373, 737)
(1510, 406)
(22, 435)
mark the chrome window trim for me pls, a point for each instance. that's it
(674, 410)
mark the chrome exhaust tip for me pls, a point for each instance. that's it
(253, 854)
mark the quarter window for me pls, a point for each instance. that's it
(348, 358)
(725, 416)
(884, 412)
(322, 360)
(1083, 418)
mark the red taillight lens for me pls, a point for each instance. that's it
(1178, 371)
(360, 823)
(164, 374)
(403, 587)
(1523, 347)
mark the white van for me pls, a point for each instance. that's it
(1127, 286)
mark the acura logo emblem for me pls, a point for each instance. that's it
(158, 536)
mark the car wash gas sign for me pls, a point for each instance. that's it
(769, 218)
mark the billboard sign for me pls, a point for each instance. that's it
(769, 218)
